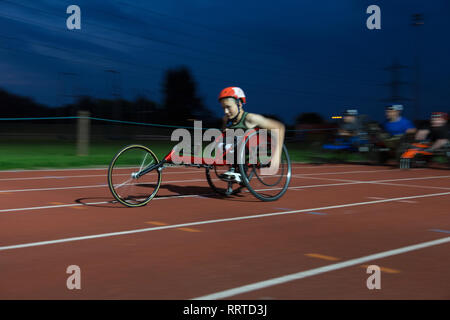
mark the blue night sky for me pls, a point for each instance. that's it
(289, 56)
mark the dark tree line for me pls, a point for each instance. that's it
(181, 105)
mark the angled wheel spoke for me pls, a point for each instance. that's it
(122, 184)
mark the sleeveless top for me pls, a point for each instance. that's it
(240, 124)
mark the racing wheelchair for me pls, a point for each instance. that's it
(135, 173)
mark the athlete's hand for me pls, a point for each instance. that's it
(274, 166)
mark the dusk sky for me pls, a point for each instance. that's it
(288, 56)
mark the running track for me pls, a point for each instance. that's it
(314, 243)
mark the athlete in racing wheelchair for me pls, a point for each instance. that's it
(351, 135)
(388, 141)
(432, 141)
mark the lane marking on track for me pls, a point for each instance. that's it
(440, 230)
(157, 223)
(86, 187)
(188, 196)
(313, 272)
(165, 173)
(55, 188)
(105, 185)
(382, 269)
(329, 258)
(89, 186)
(189, 229)
(384, 182)
(404, 201)
(82, 176)
(321, 256)
(376, 181)
(196, 223)
(201, 180)
(347, 172)
(294, 164)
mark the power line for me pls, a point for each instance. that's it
(248, 66)
(209, 28)
(301, 92)
(267, 90)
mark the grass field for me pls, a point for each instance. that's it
(60, 154)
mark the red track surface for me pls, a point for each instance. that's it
(203, 259)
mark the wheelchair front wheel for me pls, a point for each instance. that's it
(124, 181)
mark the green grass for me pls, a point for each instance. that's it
(26, 155)
(58, 154)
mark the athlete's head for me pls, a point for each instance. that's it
(350, 115)
(438, 119)
(393, 111)
(232, 99)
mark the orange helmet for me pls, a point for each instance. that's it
(233, 92)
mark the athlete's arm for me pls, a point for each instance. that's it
(255, 120)
(422, 134)
(438, 144)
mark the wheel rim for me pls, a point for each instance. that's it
(267, 188)
(123, 180)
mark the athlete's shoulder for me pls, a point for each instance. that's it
(252, 120)
(253, 116)
(255, 120)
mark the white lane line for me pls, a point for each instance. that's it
(348, 172)
(76, 169)
(384, 182)
(164, 197)
(196, 223)
(313, 272)
(104, 175)
(404, 201)
(196, 180)
(294, 164)
(84, 176)
(86, 187)
(351, 182)
(173, 196)
(103, 185)
(372, 181)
